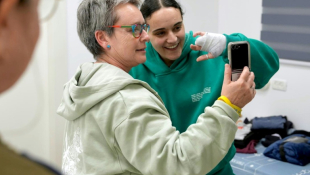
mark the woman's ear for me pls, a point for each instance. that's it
(102, 39)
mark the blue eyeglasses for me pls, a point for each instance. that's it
(136, 29)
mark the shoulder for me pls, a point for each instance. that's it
(140, 96)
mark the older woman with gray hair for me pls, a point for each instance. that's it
(119, 125)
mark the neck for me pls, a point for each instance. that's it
(112, 61)
(167, 61)
(100, 60)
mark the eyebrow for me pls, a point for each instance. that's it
(164, 28)
(138, 22)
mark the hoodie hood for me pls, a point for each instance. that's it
(92, 83)
(156, 65)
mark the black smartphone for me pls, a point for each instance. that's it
(239, 56)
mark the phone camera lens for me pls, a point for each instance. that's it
(235, 47)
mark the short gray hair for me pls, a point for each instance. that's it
(94, 15)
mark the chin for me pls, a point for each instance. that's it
(141, 60)
(174, 57)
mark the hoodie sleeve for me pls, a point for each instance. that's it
(148, 141)
(264, 60)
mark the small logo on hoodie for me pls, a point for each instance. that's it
(198, 96)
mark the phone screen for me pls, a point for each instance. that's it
(239, 55)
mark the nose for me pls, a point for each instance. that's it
(172, 38)
(144, 36)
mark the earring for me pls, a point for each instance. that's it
(108, 46)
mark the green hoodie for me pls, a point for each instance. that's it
(119, 125)
(187, 86)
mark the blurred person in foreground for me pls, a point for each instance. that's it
(119, 125)
(19, 32)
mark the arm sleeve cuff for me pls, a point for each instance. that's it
(225, 109)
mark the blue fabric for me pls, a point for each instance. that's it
(259, 164)
(272, 122)
(296, 153)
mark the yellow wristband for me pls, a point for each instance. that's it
(227, 101)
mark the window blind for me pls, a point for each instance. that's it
(286, 28)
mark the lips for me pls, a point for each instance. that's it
(172, 47)
(141, 49)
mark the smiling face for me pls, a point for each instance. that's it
(167, 33)
(127, 50)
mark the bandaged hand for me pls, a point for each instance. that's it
(210, 42)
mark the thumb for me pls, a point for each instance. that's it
(227, 74)
(195, 47)
(200, 41)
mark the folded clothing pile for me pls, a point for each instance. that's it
(293, 149)
(270, 125)
(262, 127)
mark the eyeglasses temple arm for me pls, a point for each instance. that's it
(116, 26)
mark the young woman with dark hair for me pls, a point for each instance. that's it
(184, 84)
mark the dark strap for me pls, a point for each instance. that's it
(282, 152)
(301, 132)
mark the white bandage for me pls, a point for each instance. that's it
(213, 43)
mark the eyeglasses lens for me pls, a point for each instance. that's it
(138, 28)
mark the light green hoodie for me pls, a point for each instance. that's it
(119, 125)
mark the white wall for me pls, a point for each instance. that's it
(205, 18)
(77, 52)
(294, 102)
(240, 16)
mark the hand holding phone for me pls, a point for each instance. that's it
(239, 56)
(239, 92)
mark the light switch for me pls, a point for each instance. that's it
(279, 84)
